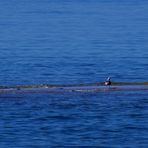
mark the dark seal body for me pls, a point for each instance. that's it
(108, 81)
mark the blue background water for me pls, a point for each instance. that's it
(52, 41)
(110, 120)
(70, 42)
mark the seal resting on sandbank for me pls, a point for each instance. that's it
(108, 81)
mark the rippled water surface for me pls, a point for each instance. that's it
(73, 42)
(107, 119)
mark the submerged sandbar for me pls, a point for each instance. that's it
(95, 87)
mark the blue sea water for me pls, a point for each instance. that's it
(72, 42)
(107, 119)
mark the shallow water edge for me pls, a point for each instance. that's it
(96, 87)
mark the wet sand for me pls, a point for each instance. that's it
(62, 88)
